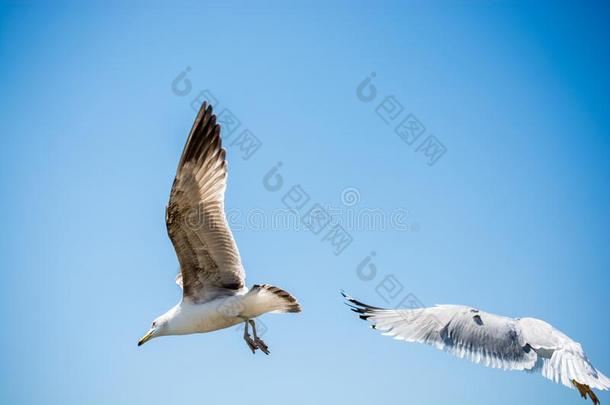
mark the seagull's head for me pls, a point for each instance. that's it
(157, 328)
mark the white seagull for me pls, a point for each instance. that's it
(495, 341)
(211, 274)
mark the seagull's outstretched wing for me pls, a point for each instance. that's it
(210, 265)
(495, 341)
(560, 358)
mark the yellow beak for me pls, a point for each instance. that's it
(146, 337)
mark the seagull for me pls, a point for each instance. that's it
(526, 344)
(212, 278)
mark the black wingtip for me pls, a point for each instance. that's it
(347, 297)
(354, 303)
(363, 310)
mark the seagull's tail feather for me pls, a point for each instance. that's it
(267, 298)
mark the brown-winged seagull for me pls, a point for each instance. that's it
(214, 295)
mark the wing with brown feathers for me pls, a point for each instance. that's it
(209, 260)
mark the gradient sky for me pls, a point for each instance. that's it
(512, 219)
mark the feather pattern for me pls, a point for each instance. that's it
(210, 265)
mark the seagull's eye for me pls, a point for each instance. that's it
(154, 324)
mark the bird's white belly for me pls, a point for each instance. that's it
(217, 314)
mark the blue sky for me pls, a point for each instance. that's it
(513, 217)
